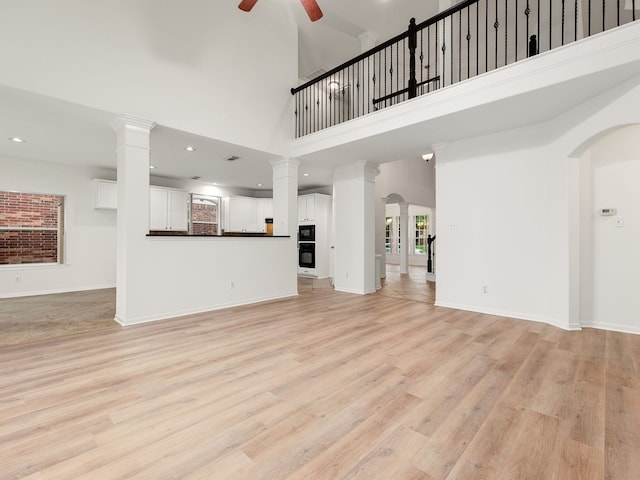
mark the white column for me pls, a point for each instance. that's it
(354, 223)
(404, 237)
(132, 154)
(285, 196)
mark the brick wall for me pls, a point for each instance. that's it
(22, 215)
(204, 213)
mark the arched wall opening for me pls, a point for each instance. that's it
(609, 230)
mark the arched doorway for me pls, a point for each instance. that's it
(609, 258)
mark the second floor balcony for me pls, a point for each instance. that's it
(468, 40)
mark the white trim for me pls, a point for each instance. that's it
(515, 315)
(210, 308)
(612, 327)
(61, 290)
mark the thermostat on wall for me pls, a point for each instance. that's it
(606, 212)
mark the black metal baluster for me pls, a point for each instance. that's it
(385, 76)
(633, 10)
(604, 4)
(468, 42)
(562, 30)
(527, 12)
(496, 25)
(618, 6)
(314, 113)
(444, 48)
(589, 20)
(506, 32)
(370, 83)
(421, 58)
(486, 33)
(550, 24)
(459, 45)
(451, 50)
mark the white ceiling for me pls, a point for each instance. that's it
(62, 132)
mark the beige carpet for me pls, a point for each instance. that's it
(42, 317)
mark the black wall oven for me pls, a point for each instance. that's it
(307, 254)
(307, 233)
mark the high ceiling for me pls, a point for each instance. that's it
(62, 132)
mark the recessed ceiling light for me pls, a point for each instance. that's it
(195, 177)
(427, 156)
(190, 148)
(151, 167)
(17, 139)
(306, 174)
(232, 158)
(258, 184)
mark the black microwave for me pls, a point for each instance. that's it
(307, 233)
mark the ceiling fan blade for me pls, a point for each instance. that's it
(247, 5)
(312, 9)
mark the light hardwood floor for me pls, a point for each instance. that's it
(326, 385)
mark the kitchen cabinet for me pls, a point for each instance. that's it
(168, 209)
(240, 214)
(316, 209)
(105, 194)
(306, 208)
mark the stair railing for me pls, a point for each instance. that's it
(469, 39)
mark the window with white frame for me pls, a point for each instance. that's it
(31, 228)
(421, 230)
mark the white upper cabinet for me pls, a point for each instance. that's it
(105, 194)
(240, 214)
(306, 208)
(168, 209)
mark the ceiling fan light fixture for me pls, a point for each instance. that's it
(310, 6)
(247, 5)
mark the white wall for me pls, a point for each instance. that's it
(90, 235)
(179, 276)
(502, 225)
(199, 66)
(510, 218)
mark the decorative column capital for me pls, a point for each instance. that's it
(285, 167)
(130, 121)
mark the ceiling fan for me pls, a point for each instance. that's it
(310, 6)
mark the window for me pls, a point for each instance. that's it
(388, 234)
(31, 228)
(204, 215)
(421, 230)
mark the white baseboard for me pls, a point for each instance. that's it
(57, 290)
(516, 315)
(208, 308)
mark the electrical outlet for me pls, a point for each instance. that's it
(232, 284)
(18, 278)
(485, 289)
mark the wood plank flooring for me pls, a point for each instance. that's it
(326, 385)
